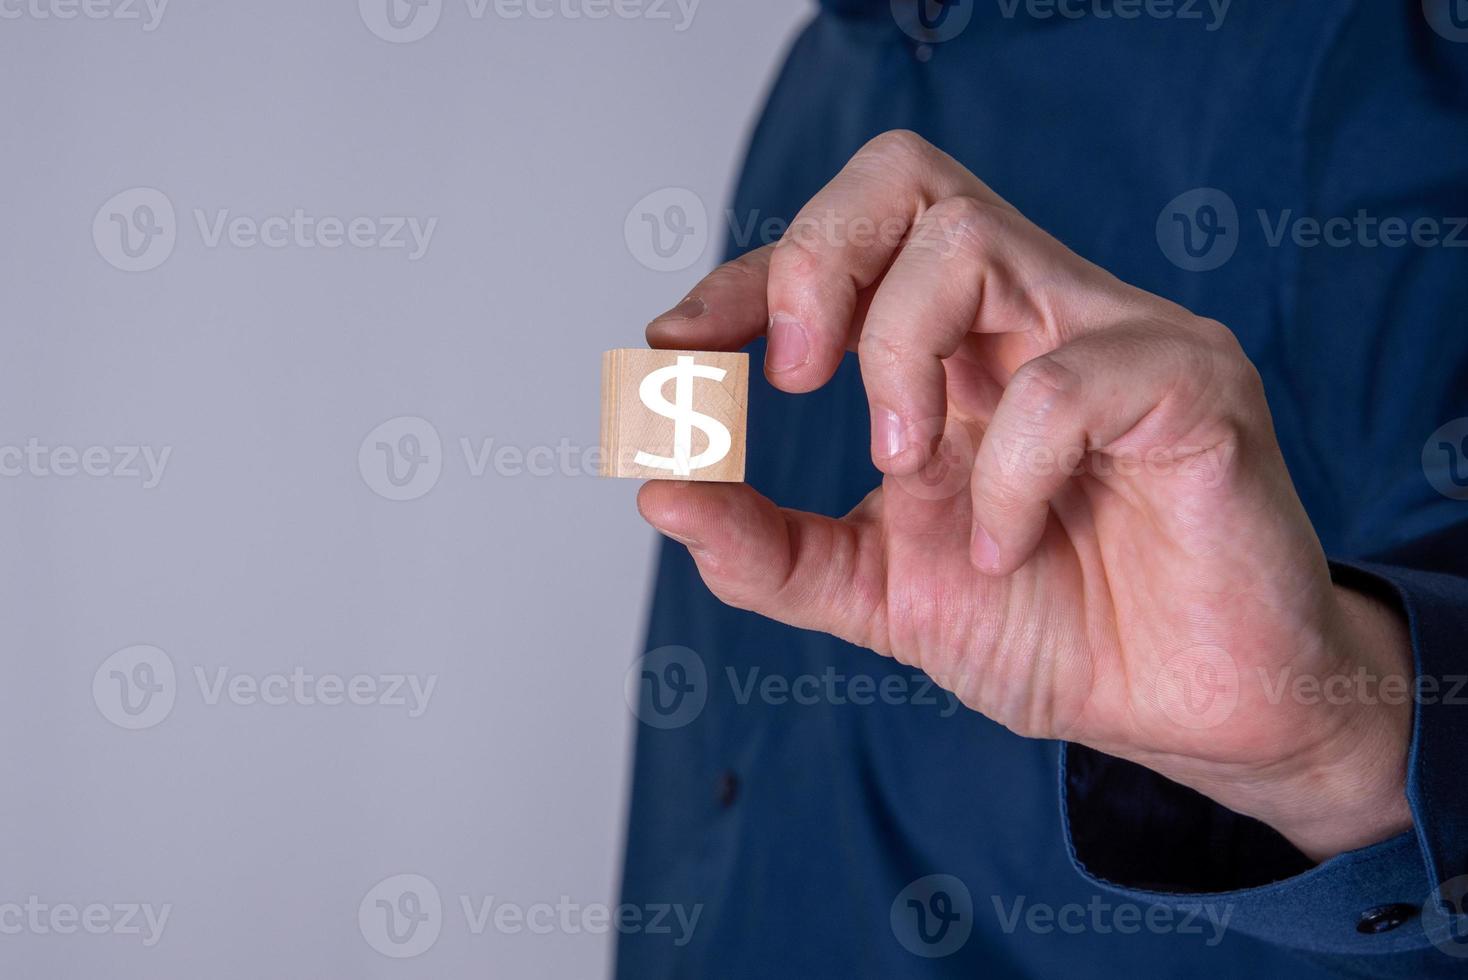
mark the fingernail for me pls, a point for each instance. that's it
(891, 436)
(984, 548)
(690, 309)
(789, 346)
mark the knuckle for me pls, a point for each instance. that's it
(967, 215)
(1044, 389)
(739, 274)
(901, 147)
(1215, 335)
(796, 256)
(964, 225)
(881, 350)
(1240, 378)
(1249, 380)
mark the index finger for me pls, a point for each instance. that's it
(725, 311)
(842, 241)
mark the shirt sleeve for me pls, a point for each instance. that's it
(1371, 912)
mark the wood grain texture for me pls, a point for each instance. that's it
(688, 402)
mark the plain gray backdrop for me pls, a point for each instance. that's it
(207, 705)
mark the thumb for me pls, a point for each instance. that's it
(799, 568)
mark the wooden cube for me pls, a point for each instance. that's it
(674, 414)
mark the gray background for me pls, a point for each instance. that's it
(266, 547)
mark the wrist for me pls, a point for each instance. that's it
(1349, 791)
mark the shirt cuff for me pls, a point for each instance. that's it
(1134, 832)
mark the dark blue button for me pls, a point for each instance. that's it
(727, 790)
(1385, 918)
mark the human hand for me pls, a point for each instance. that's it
(1085, 529)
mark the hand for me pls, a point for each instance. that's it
(1085, 528)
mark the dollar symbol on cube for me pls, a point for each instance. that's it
(685, 419)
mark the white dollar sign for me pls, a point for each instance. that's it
(685, 419)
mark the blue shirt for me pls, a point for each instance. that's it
(1297, 171)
